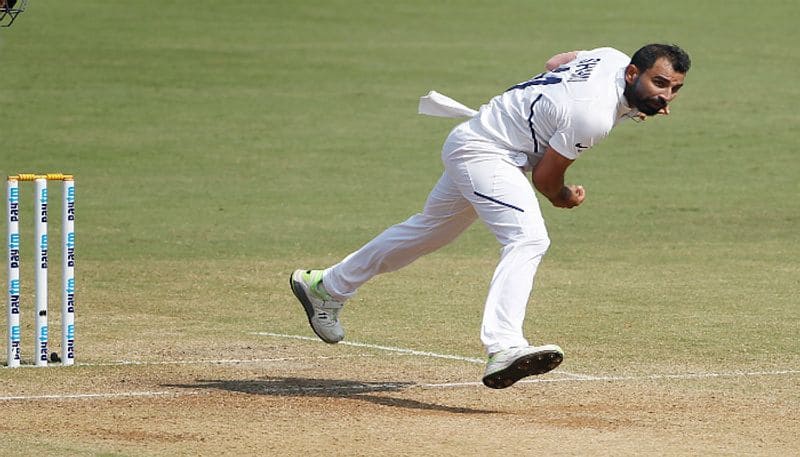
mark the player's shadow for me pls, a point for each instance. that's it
(330, 388)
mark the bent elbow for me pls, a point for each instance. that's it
(552, 64)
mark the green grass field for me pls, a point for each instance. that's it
(217, 147)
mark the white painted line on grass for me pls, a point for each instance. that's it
(163, 393)
(354, 388)
(202, 361)
(706, 375)
(653, 377)
(217, 361)
(375, 346)
(367, 387)
(376, 386)
(400, 350)
(568, 377)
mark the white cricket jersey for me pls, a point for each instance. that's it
(570, 109)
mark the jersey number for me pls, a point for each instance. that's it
(538, 80)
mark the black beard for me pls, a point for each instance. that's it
(636, 101)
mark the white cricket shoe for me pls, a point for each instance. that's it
(510, 365)
(321, 308)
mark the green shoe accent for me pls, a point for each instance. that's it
(314, 279)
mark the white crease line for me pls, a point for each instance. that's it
(375, 346)
(400, 350)
(201, 361)
(216, 361)
(575, 377)
(389, 386)
(398, 386)
(163, 393)
(654, 377)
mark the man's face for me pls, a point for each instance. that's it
(651, 91)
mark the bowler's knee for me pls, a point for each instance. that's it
(541, 243)
(535, 246)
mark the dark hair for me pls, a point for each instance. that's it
(647, 55)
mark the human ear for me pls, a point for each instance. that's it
(631, 73)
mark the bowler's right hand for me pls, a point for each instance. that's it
(571, 196)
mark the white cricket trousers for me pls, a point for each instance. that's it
(475, 183)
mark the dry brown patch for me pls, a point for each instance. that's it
(356, 402)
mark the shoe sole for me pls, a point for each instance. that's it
(300, 293)
(527, 365)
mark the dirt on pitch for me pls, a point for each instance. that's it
(304, 398)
